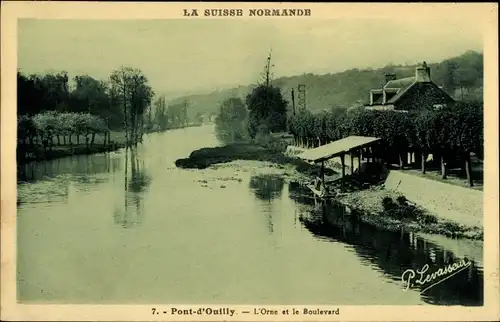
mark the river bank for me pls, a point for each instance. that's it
(381, 207)
(31, 153)
(391, 210)
(206, 157)
(40, 154)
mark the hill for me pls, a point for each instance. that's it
(460, 76)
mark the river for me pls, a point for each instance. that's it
(90, 232)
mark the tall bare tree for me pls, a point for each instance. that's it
(131, 90)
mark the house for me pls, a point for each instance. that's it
(410, 93)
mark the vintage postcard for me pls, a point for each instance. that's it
(249, 161)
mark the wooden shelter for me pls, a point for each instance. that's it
(352, 145)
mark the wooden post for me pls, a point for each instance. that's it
(468, 169)
(444, 168)
(352, 162)
(422, 161)
(322, 172)
(359, 161)
(342, 161)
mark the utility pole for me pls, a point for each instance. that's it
(302, 97)
(293, 101)
(268, 68)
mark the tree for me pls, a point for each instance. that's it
(266, 105)
(177, 114)
(230, 122)
(161, 119)
(466, 133)
(130, 89)
(198, 119)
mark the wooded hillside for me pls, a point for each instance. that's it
(461, 76)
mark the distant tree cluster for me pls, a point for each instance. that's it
(446, 133)
(121, 103)
(52, 92)
(230, 123)
(169, 116)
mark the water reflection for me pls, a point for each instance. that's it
(132, 212)
(78, 165)
(267, 186)
(393, 252)
(54, 178)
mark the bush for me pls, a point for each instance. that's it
(388, 203)
(426, 219)
(402, 200)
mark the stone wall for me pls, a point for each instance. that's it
(460, 204)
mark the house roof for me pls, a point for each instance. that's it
(403, 84)
(400, 83)
(398, 88)
(336, 148)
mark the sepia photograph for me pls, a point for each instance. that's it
(237, 161)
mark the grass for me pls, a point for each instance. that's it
(205, 157)
(391, 210)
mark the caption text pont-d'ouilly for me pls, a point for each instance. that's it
(226, 311)
(249, 12)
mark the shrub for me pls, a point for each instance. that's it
(402, 200)
(388, 203)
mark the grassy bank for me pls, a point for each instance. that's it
(391, 210)
(26, 154)
(205, 157)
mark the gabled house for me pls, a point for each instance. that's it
(410, 93)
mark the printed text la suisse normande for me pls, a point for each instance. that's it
(249, 13)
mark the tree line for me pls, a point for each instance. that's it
(448, 133)
(49, 105)
(170, 116)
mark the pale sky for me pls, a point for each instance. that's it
(188, 55)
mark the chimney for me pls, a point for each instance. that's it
(423, 73)
(389, 77)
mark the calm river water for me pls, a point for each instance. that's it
(89, 233)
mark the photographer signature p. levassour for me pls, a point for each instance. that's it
(423, 278)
